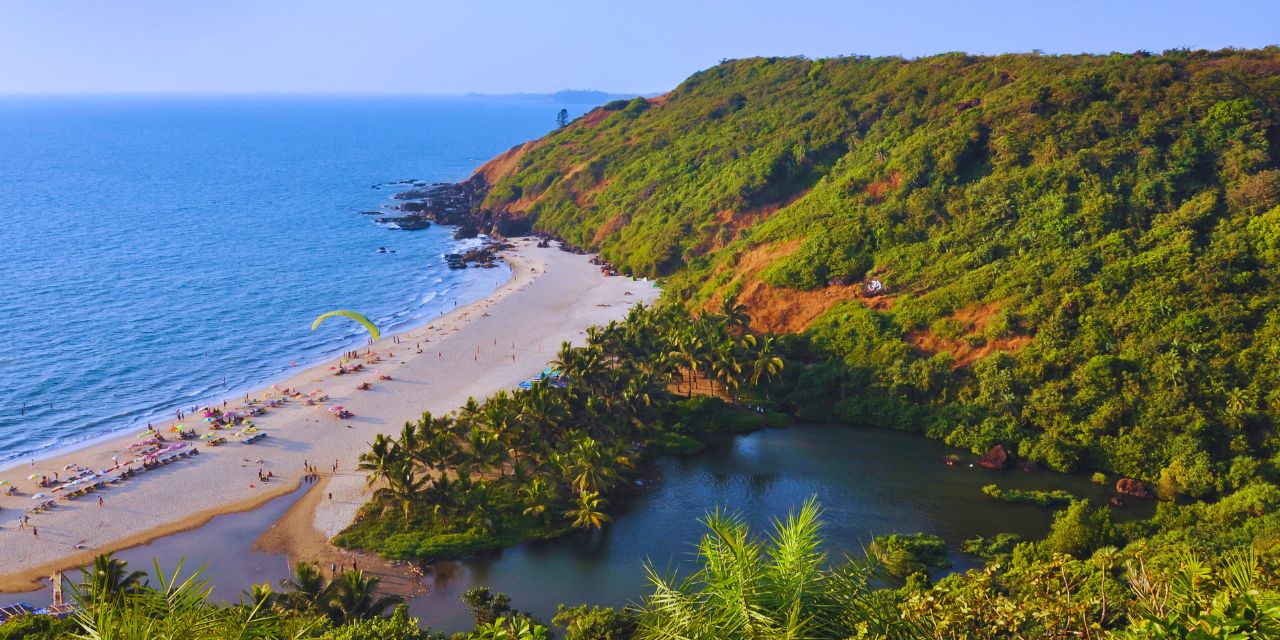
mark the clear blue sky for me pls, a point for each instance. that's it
(501, 46)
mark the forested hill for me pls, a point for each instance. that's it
(1079, 254)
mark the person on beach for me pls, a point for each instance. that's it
(100, 501)
(35, 532)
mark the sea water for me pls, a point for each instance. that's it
(161, 252)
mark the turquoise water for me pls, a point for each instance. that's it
(159, 252)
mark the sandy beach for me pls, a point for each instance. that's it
(492, 344)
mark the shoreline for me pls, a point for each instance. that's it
(257, 388)
(176, 497)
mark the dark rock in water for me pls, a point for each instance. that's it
(413, 207)
(465, 232)
(370, 213)
(995, 458)
(406, 223)
(1133, 488)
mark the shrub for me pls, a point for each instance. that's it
(904, 555)
(1079, 530)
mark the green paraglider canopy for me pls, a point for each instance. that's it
(358, 317)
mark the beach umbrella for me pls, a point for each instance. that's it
(40, 496)
(69, 465)
(34, 476)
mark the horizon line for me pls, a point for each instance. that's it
(327, 94)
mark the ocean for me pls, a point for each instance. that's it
(162, 252)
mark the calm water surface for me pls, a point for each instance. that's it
(869, 482)
(160, 252)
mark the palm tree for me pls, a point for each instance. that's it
(304, 593)
(481, 511)
(734, 315)
(259, 595)
(767, 363)
(538, 498)
(688, 353)
(109, 578)
(353, 596)
(442, 495)
(515, 628)
(382, 458)
(488, 451)
(588, 512)
(588, 467)
(750, 589)
(404, 487)
(441, 451)
(180, 608)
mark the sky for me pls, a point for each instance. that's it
(509, 46)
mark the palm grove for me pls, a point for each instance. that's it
(536, 462)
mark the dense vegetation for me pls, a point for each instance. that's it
(537, 462)
(1080, 254)
(1195, 577)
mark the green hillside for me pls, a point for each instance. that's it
(1080, 253)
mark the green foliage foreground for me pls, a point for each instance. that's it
(1084, 581)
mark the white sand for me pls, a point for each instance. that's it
(489, 345)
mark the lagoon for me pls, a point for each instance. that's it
(868, 481)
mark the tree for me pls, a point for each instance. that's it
(109, 578)
(1079, 529)
(304, 593)
(562, 118)
(381, 460)
(595, 623)
(767, 363)
(748, 589)
(404, 487)
(538, 498)
(178, 609)
(588, 512)
(510, 629)
(398, 627)
(486, 606)
(354, 596)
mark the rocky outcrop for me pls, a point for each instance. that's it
(1133, 488)
(484, 257)
(995, 458)
(405, 223)
(458, 204)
